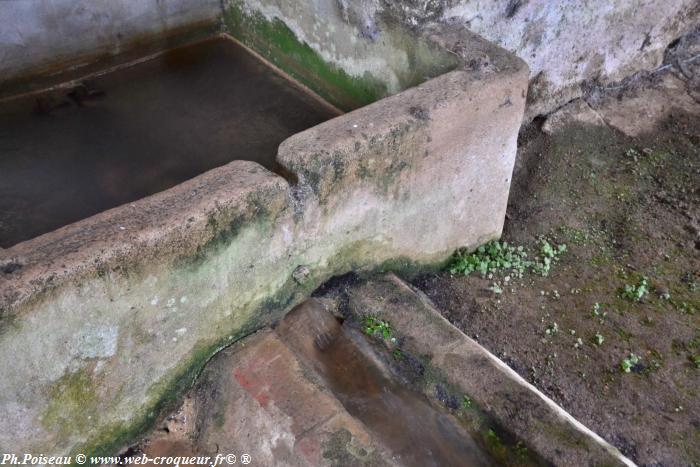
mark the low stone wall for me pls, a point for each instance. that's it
(104, 321)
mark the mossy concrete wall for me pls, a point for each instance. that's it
(569, 45)
(321, 46)
(104, 321)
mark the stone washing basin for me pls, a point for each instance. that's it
(141, 129)
(110, 305)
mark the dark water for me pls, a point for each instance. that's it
(416, 433)
(66, 155)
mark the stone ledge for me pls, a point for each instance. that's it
(174, 223)
(513, 402)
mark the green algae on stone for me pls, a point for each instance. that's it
(73, 404)
(164, 395)
(277, 43)
(340, 449)
(409, 59)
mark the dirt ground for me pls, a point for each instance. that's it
(627, 209)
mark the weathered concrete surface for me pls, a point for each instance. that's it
(349, 60)
(566, 43)
(684, 56)
(575, 112)
(633, 108)
(415, 431)
(268, 396)
(104, 318)
(517, 405)
(273, 394)
(109, 318)
(41, 35)
(637, 107)
(257, 398)
(638, 103)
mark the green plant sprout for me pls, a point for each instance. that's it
(496, 256)
(628, 363)
(636, 292)
(373, 325)
(466, 402)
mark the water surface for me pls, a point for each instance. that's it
(66, 155)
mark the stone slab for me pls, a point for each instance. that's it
(515, 404)
(638, 107)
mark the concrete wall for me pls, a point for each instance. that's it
(344, 59)
(39, 33)
(567, 42)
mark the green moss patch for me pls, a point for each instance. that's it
(278, 44)
(73, 405)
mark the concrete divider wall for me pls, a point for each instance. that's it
(344, 59)
(104, 321)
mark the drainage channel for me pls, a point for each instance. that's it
(415, 431)
(317, 390)
(368, 373)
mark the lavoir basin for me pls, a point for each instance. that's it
(83, 148)
(157, 211)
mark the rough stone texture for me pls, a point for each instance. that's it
(38, 35)
(107, 316)
(257, 398)
(110, 317)
(684, 56)
(575, 112)
(568, 42)
(349, 56)
(268, 395)
(621, 37)
(638, 106)
(371, 157)
(514, 403)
